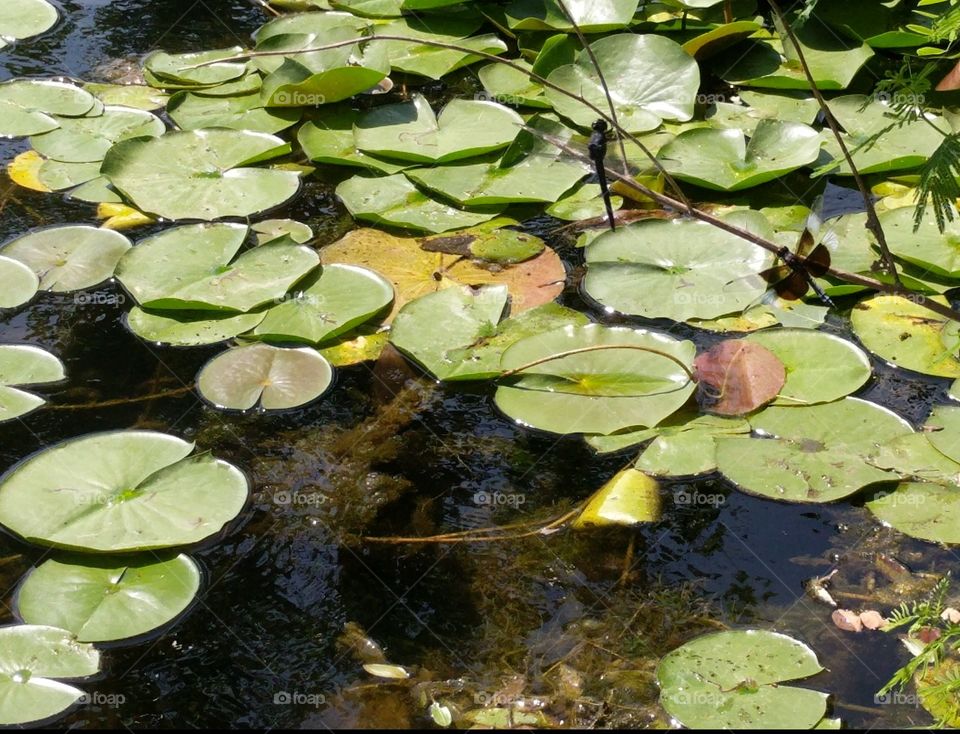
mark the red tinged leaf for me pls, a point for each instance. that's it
(872, 619)
(737, 376)
(846, 620)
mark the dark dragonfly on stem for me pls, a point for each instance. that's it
(796, 276)
(598, 154)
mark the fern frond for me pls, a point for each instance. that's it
(938, 186)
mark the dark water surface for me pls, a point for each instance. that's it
(289, 573)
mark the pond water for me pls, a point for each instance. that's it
(260, 646)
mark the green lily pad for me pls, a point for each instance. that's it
(175, 71)
(87, 139)
(21, 19)
(135, 96)
(189, 329)
(629, 498)
(101, 600)
(28, 106)
(58, 176)
(69, 258)
(318, 23)
(651, 79)
(914, 456)
(410, 131)
(332, 140)
(732, 680)
(494, 245)
(927, 247)
(437, 328)
(120, 491)
(877, 139)
(240, 112)
(820, 367)
(591, 17)
(905, 334)
(18, 283)
(921, 510)
(394, 201)
(686, 449)
(197, 267)
(339, 299)
(507, 85)
(818, 453)
(22, 364)
(583, 202)
(618, 386)
(273, 229)
(268, 377)
(723, 160)
(674, 269)
(944, 423)
(32, 656)
(201, 174)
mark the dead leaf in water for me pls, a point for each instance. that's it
(737, 377)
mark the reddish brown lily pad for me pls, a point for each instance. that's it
(737, 376)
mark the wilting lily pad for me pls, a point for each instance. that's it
(201, 174)
(33, 655)
(410, 131)
(27, 106)
(87, 139)
(723, 160)
(197, 267)
(100, 600)
(120, 491)
(341, 298)
(18, 283)
(674, 269)
(651, 79)
(22, 364)
(188, 328)
(818, 453)
(437, 328)
(921, 510)
(820, 367)
(906, 334)
(269, 377)
(595, 379)
(629, 498)
(25, 18)
(732, 680)
(394, 201)
(414, 272)
(69, 258)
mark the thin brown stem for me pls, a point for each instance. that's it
(122, 401)
(873, 221)
(483, 535)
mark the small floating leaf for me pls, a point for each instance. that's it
(629, 498)
(18, 283)
(921, 510)
(737, 377)
(27, 106)
(22, 364)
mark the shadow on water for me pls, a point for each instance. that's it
(261, 646)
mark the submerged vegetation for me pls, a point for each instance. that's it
(709, 309)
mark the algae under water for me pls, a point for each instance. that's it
(263, 645)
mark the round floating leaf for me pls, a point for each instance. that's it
(189, 329)
(22, 364)
(507, 85)
(921, 510)
(686, 449)
(650, 78)
(415, 272)
(629, 498)
(905, 333)
(27, 106)
(626, 378)
(242, 112)
(944, 424)
(341, 298)
(678, 269)
(184, 70)
(18, 283)
(410, 131)
(273, 229)
(590, 17)
(722, 160)
(87, 139)
(136, 96)
(927, 247)
(737, 377)
(201, 174)
(196, 267)
(394, 201)
(331, 140)
(101, 600)
(732, 680)
(30, 656)
(120, 491)
(818, 453)
(820, 367)
(69, 258)
(258, 374)
(438, 328)
(914, 456)
(25, 18)
(57, 175)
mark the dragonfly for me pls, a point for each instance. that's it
(598, 153)
(795, 277)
